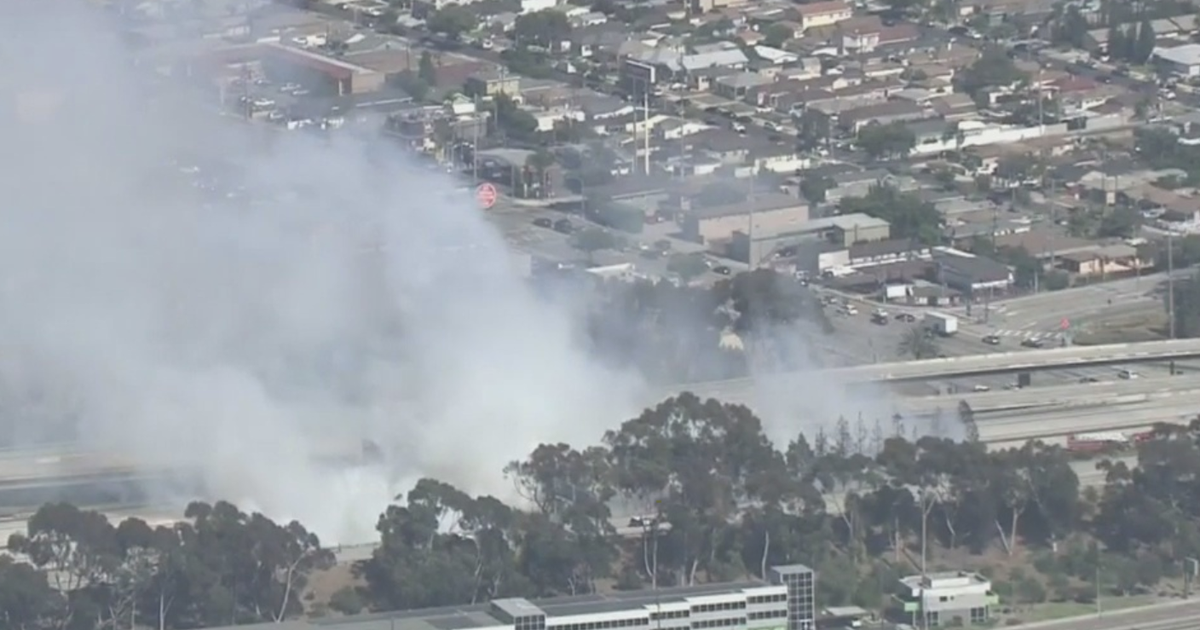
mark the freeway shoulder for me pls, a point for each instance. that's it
(1182, 614)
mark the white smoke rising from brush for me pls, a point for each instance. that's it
(247, 338)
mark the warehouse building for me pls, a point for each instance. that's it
(785, 603)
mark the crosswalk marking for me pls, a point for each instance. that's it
(1025, 334)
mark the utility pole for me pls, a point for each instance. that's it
(646, 123)
(1171, 281)
(1191, 568)
(750, 263)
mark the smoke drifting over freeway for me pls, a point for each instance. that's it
(333, 292)
(249, 335)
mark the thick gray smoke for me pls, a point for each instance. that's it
(250, 335)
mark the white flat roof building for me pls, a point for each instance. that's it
(1181, 60)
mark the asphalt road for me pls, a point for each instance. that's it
(1014, 320)
(1174, 615)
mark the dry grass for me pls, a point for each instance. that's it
(323, 584)
(1123, 329)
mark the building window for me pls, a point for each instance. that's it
(979, 615)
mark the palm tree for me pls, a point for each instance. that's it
(917, 344)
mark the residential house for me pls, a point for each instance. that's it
(599, 107)
(953, 598)
(881, 114)
(778, 158)
(652, 66)
(954, 107)
(818, 14)
(737, 86)
(929, 130)
(775, 95)
(674, 128)
(856, 183)
(730, 148)
(491, 82)
(599, 41)
(1107, 259)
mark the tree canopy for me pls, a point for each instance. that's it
(546, 28)
(850, 502)
(909, 216)
(893, 140)
(453, 21)
(994, 68)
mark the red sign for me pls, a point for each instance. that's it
(1064, 324)
(486, 194)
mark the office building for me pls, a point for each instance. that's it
(785, 603)
(949, 598)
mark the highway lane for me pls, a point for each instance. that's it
(1053, 427)
(1016, 361)
(1181, 614)
(1076, 394)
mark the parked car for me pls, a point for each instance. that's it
(992, 340)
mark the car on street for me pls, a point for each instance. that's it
(992, 340)
(982, 388)
(907, 318)
(563, 226)
(1127, 375)
(544, 223)
(722, 270)
(1089, 379)
(1033, 343)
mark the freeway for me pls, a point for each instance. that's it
(1181, 614)
(749, 390)
(1053, 426)
(1073, 395)
(1012, 362)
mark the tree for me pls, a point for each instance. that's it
(452, 21)
(426, 70)
(886, 141)
(1143, 46)
(814, 188)
(514, 121)
(687, 266)
(917, 344)
(27, 601)
(994, 68)
(547, 29)
(909, 216)
(1121, 222)
(592, 240)
(777, 34)
(1186, 294)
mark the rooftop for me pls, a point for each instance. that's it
(1186, 55)
(760, 203)
(482, 615)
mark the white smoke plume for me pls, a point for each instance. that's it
(248, 336)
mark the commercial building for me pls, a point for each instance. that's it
(324, 74)
(1182, 61)
(813, 246)
(785, 603)
(762, 216)
(952, 598)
